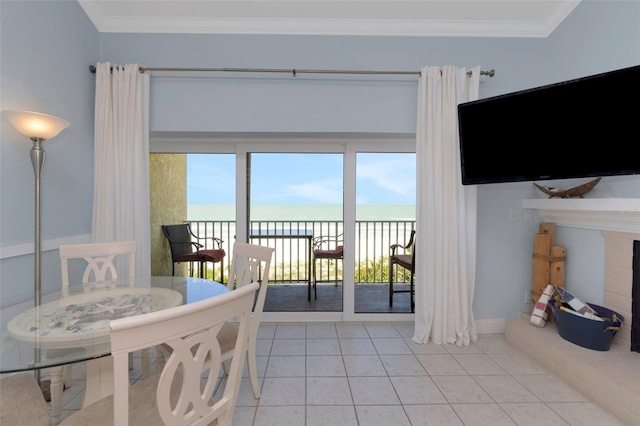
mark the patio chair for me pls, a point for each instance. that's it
(405, 260)
(322, 250)
(185, 249)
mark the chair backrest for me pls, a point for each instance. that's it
(102, 260)
(180, 239)
(246, 263)
(336, 241)
(191, 332)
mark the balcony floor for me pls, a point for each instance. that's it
(370, 298)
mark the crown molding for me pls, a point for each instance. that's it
(319, 26)
(335, 27)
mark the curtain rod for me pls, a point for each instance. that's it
(293, 71)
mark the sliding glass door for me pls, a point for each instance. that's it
(300, 193)
(385, 215)
(296, 206)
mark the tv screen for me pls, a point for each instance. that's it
(587, 127)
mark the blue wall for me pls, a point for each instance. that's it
(597, 36)
(45, 51)
(309, 103)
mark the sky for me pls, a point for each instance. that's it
(381, 178)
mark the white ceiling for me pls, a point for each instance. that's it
(450, 18)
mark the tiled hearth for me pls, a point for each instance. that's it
(610, 379)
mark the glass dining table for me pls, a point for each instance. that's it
(76, 328)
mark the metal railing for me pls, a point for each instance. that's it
(291, 258)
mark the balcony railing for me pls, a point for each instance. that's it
(290, 262)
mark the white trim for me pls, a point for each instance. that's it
(47, 245)
(490, 326)
(227, 142)
(316, 26)
(559, 14)
(607, 214)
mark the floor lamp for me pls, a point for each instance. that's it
(37, 127)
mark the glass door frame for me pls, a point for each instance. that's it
(347, 144)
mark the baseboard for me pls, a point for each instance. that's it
(490, 326)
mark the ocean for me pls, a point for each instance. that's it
(302, 212)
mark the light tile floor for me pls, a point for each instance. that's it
(373, 374)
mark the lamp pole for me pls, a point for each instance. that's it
(37, 160)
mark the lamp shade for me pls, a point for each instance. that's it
(35, 124)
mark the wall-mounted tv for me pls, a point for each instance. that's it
(587, 127)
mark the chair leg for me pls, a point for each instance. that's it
(390, 282)
(314, 280)
(253, 368)
(412, 291)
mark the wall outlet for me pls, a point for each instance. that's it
(528, 215)
(527, 297)
(513, 215)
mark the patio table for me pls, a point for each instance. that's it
(306, 234)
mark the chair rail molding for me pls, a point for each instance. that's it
(47, 245)
(606, 214)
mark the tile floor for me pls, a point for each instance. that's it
(373, 374)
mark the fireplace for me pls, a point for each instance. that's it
(635, 299)
(617, 218)
(621, 288)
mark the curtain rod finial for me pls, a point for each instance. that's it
(92, 69)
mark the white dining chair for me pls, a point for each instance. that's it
(183, 393)
(249, 261)
(101, 262)
(22, 402)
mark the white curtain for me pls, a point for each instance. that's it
(445, 211)
(121, 159)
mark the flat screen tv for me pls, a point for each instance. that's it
(587, 127)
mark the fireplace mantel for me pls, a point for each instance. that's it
(607, 214)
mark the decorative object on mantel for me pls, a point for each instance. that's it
(576, 191)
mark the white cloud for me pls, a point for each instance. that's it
(393, 174)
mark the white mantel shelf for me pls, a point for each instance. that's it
(607, 214)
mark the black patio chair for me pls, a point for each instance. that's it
(405, 260)
(185, 249)
(329, 248)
